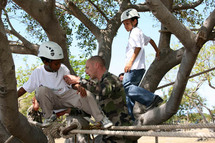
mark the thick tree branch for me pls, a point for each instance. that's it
(26, 47)
(142, 7)
(185, 6)
(40, 8)
(20, 48)
(74, 10)
(165, 16)
(206, 30)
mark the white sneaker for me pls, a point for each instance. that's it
(106, 123)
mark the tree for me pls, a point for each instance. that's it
(44, 13)
(192, 102)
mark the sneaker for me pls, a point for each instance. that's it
(106, 123)
(50, 120)
(157, 101)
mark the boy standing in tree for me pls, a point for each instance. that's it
(53, 93)
(135, 64)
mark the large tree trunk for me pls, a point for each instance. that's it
(10, 117)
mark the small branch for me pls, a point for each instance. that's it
(209, 83)
(163, 86)
(194, 29)
(99, 10)
(74, 10)
(191, 97)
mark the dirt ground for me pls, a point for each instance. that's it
(146, 139)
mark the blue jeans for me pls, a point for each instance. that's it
(133, 92)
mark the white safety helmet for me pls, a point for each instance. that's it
(129, 13)
(50, 50)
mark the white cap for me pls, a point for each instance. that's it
(50, 50)
(129, 13)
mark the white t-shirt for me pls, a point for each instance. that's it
(137, 39)
(52, 80)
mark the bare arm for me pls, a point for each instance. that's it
(155, 48)
(131, 61)
(71, 79)
(74, 81)
(21, 91)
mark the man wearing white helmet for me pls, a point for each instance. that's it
(135, 64)
(53, 93)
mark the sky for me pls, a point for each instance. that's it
(150, 28)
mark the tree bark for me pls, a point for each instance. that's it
(9, 114)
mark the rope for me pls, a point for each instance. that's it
(9, 139)
(73, 125)
(59, 130)
(52, 132)
(141, 133)
(163, 127)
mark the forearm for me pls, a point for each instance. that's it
(88, 84)
(156, 49)
(154, 45)
(134, 56)
(21, 91)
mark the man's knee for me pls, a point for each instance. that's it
(90, 95)
(41, 91)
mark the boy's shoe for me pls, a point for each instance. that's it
(106, 123)
(50, 120)
(157, 101)
(97, 125)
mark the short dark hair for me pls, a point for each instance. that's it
(45, 59)
(98, 59)
(121, 74)
(133, 18)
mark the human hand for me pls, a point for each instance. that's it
(158, 54)
(127, 67)
(36, 105)
(71, 79)
(80, 90)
